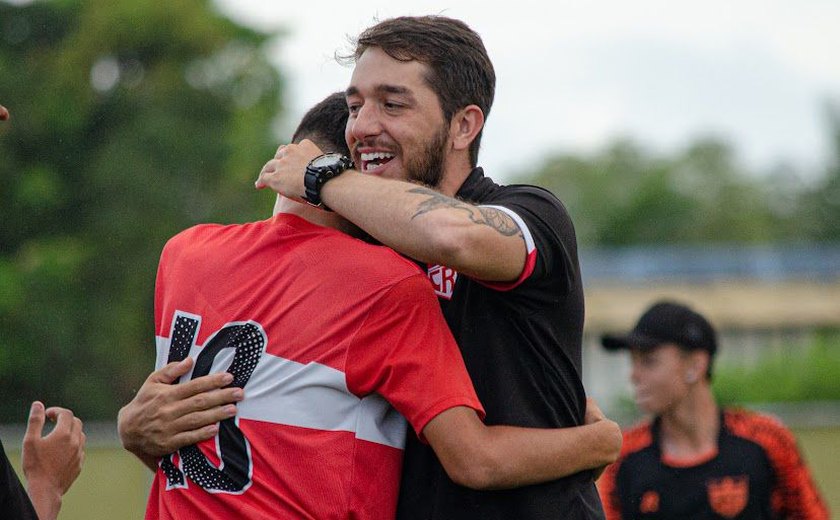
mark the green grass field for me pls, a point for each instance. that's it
(114, 485)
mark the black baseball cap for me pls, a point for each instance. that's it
(667, 322)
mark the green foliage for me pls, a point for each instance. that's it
(820, 207)
(625, 195)
(130, 121)
(807, 374)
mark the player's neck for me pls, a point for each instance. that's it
(316, 216)
(692, 426)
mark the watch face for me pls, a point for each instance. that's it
(329, 159)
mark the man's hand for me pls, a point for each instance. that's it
(284, 173)
(612, 431)
(51, 463)
(593, 412)
(164, 417)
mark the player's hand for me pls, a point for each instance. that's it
(164, 417)
(611, 432)
(284, 173)
(4, 113)
(51, 463)
(593, 412)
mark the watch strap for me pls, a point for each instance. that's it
(316, 176)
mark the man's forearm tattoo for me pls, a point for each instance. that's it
(491, 217)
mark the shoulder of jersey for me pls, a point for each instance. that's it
(200, 230)
(537, 191)
(375, 257)
(747, 423)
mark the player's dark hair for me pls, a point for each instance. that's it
(325, 123)
(460, 71)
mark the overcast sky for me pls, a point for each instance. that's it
(571, 76)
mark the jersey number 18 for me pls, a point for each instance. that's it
(233, 475)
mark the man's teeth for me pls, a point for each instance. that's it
(377, 155)
(373, 160)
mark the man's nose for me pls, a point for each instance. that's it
(366, 123)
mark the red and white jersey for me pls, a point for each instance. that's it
(330, 338)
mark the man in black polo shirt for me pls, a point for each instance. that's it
(503, 259)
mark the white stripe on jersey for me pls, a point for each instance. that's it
(526, 233)
(308, 395)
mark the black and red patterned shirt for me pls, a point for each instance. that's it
(756, 473)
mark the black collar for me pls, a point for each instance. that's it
(477, 187)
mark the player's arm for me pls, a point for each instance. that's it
(481, 242)
(404, 352)
(163, 417)
(498, 457)
(800, 497)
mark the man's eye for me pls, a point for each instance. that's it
(353, 108)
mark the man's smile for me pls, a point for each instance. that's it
(371, 161)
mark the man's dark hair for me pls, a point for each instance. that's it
(460, 71)
(324, 123)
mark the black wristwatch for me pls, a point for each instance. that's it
(319, 171)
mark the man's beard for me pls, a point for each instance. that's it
(427, 167)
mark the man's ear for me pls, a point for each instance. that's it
(700, 360)
(465, 126)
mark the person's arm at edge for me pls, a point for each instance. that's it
(480, 242)
(500, 457)
(53, 462)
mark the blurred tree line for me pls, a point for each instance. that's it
(131, 120)
(625, 195)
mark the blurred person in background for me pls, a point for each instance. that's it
(692, 459)
(50, 463)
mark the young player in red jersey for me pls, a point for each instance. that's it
(328, 337)
(694, 460)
